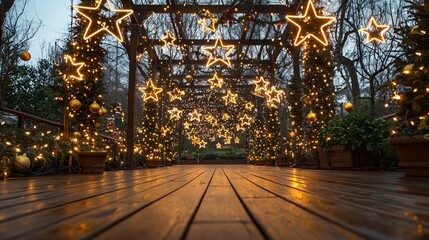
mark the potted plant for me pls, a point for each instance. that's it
(410, 90)
(354, 141)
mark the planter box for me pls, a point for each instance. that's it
(324, 162)
(270, 162)
(92, 162)
(413, 155)
(152, 163)
(340, 157)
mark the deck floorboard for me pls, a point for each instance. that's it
(216, 202)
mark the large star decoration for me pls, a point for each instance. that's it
(374, 31)
(260, 87)
(195, 116)
(175, 113)
(176, 94)
(150, 91)
(96, 26)
(230, 98)
(215, 56)
(216, 81)
(273, 96)
(75, 68)
(208, 27)
(310, 25)
(168, 39)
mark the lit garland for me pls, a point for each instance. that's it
(101, 25)
(310, 25)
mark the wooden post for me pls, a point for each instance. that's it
(131, 98)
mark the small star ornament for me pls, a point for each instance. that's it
(176, 94)
(375, 32)
(260, 87)
(175, 113)
(168, 39)
(211, 27)
(310, 25)
(230, 98)
(215, 82)
(215, 53)
(195, 116)
(150, 91)
(273, 96)
(75, 68)
(96, 26)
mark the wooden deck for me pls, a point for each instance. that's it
(216, 202)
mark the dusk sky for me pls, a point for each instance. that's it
(55, 17)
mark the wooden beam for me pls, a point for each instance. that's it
(207, 77)
(210, 42)
(32, 117)
(208, 86)
(214, 9)
(203, 62)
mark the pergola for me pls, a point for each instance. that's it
(259, 36)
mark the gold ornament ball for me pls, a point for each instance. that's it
(76, 135)
(408, 69)
(416, 31)
(348, 107)
(94, 107)
(103, 111)
(25, 56)
(97, 124)
(188, 77)
(21, 164)
(311, 117)
(292, 135)
(75, 104)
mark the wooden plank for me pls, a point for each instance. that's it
(85, 217)
(165, 219)
(65, 199)
(273, 214)
(225, 231)
(366, 222)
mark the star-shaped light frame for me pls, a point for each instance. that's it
(175, 113)
(150, 91)
(375, 32)
(217, 59)
(230, 98)
(273, 96)
(216, 81)
(195, 116)
(249, 106)
(77, 66)
(117, 34)
(176, 94)
(310, 15)
(168, 39)
(211, 27)
(260, 87)
(245, 120)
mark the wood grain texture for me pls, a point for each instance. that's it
(216, 202)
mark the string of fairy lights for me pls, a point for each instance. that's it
(224, 114)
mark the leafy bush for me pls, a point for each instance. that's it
(356, 131)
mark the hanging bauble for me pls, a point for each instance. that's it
(75, 104)
(408, 69)
(97, 124)
(292, 135)
(103, 111)
(348, 107)
(76, 135)
(25, 56)
(21, 164)
(311, 117)
(306, 100)
(416, 31)
(94, 107)
(188, 77)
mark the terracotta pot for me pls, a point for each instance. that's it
(92, 162)
(413, 155)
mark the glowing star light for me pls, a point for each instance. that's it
(215, 56)
(208, 27)
(273, 96)
(96, 26)
(260, 87)
(168, 39)
(230, 98)
(150, 91)
(218, 145)
(249, 106)
(176, 94)
(175, 113)
(245, 120)
(202, 144)
(76, 67)
(310, 25)
(215, 82)
(374, 32)
(195, 116)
